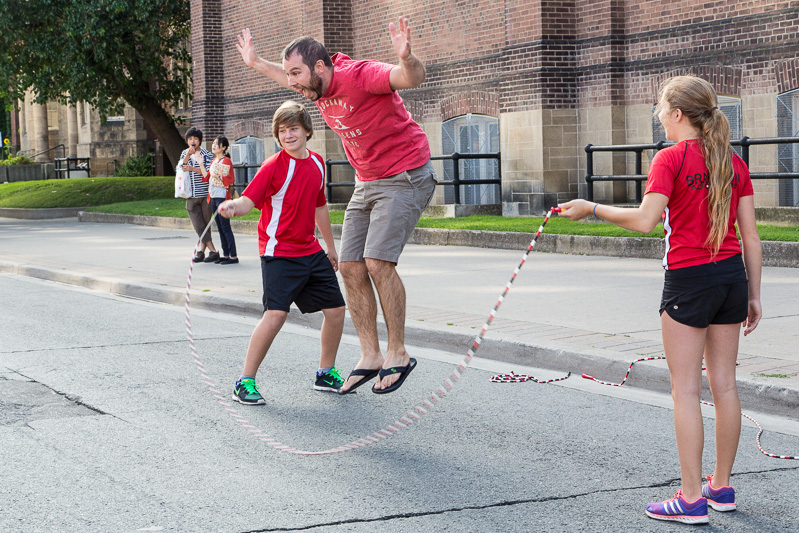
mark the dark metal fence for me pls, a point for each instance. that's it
(241, 178)
(638, 149)
(65, 166)
(455, 182)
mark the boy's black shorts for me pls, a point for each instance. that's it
(713, 293)
(308, 281)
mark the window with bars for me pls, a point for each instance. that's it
(788, 154)
(472, 134)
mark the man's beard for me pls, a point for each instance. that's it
(315, 86)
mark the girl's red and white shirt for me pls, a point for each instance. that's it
(679, 172)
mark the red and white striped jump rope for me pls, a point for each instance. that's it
(520, 378)
(378, 436)
(435, 397)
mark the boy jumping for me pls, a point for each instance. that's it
(289, 191)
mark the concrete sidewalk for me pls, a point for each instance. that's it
(567, 313)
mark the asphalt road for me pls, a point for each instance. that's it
(105, 425)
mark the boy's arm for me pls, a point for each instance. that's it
(236, 208)
(183, 156)
(202, 170)
(325, 228)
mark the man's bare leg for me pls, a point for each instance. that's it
(363, 310)
(392, 301)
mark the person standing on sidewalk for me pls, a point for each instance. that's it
(289, 189)
(701, 189)
(222, 177)
(196, 161)
(395, 180)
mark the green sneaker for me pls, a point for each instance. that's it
(246, 392)
(331, 381)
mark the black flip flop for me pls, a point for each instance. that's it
(367, 374)
(404, 370)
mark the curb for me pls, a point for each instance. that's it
(637, 247)
(40, 214)
(246, 227)
(775, 253)
(780, 401)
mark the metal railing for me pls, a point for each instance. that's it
(241, 185)
(456, 182)
(638, 149)
(68, 165)
(56, 147)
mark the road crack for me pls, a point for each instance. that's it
(506, 503)
(117, 345)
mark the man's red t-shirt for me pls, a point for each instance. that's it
(288, 191)
(379, 135)
(679, 172)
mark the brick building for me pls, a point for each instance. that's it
(535, 79)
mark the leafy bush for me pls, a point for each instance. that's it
(136, 166)
(18, 160)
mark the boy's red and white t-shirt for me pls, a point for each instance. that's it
(288, 191)
(679, 172)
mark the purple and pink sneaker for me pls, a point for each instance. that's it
(678, 509)
(720, 499)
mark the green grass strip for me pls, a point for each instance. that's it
(560, 226)
(169, 207)
(83, 192)
(154, 196)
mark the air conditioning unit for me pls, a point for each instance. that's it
(238, 154)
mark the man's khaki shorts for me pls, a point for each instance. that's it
(382, 214)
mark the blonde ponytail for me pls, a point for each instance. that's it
(715, 132)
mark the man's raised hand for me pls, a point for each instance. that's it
(401, 39)
(246, 48)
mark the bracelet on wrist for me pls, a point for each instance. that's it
(594, 211)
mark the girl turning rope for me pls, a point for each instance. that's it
(701, 189)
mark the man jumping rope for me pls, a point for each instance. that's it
(395, 181)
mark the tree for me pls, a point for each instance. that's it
(101, 52)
